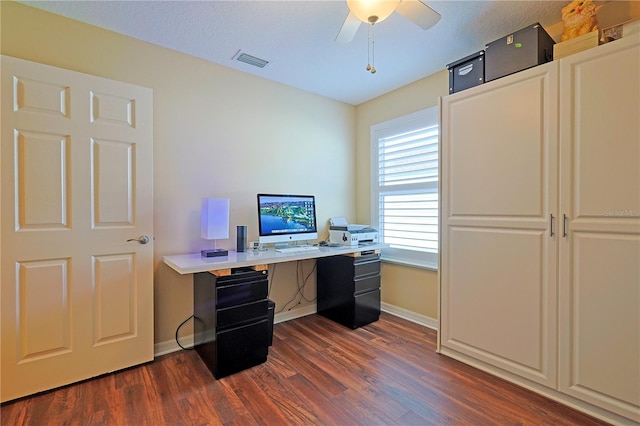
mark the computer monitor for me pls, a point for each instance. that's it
(286, 218)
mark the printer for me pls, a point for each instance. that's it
(340, 232)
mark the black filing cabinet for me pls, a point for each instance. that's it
(231, 319)
(349, 288)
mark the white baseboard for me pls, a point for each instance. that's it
(410, 316)
(295, 313)
(166, 347)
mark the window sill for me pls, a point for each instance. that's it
(429, 266)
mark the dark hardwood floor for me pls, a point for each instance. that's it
(318, 372)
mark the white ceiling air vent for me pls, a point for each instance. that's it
(251, 60)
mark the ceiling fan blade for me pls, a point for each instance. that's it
(418, 13)
(349, 29)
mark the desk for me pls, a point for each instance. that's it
(193, 263)
(230, 298)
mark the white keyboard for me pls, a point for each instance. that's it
(296, 248)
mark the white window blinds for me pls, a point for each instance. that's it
(410, 221)
(410, 157)
(405, 187)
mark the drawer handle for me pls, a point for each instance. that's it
(367, 262)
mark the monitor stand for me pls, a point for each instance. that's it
(288, 244)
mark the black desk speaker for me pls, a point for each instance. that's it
(241, 239)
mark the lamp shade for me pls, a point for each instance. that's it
(214, 218)
(365, 9)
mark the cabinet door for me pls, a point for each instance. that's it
(600, 255)
(498, 257)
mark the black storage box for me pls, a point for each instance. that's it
(523, 49)
(466, 72)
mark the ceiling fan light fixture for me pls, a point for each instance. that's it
(372, 11)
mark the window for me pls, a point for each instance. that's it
(404, 187)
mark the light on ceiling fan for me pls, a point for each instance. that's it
(372, 11)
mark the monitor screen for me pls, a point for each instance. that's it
(285, 218)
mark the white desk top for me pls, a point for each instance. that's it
(194, 262)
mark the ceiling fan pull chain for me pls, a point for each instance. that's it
(368, 48)
(373, 49)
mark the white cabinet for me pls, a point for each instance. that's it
(499, 189)
(540, 229)
(599, 292)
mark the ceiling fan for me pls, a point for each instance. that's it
(375, 11)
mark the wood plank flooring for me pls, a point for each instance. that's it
(318, 373)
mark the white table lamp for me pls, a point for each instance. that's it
(214, 224)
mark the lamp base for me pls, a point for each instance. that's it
(214, 253)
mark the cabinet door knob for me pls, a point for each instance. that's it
(551, 225)
(564, 225)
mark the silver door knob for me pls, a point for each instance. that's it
(142, 240)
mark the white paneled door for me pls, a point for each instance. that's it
(599, 306)
(77, 221)
(499, 243)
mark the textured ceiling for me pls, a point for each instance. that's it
(297, 37)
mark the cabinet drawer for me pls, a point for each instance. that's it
(238, 275)
(363, 268)
(241, 347)
(242, 314)
(241, 293)
(366, 309)
(366, 284)
(365, 257)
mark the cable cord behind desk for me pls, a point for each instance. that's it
(301, 282)
(178, 330)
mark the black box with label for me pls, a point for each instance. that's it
(466, 72)
(515, 52)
